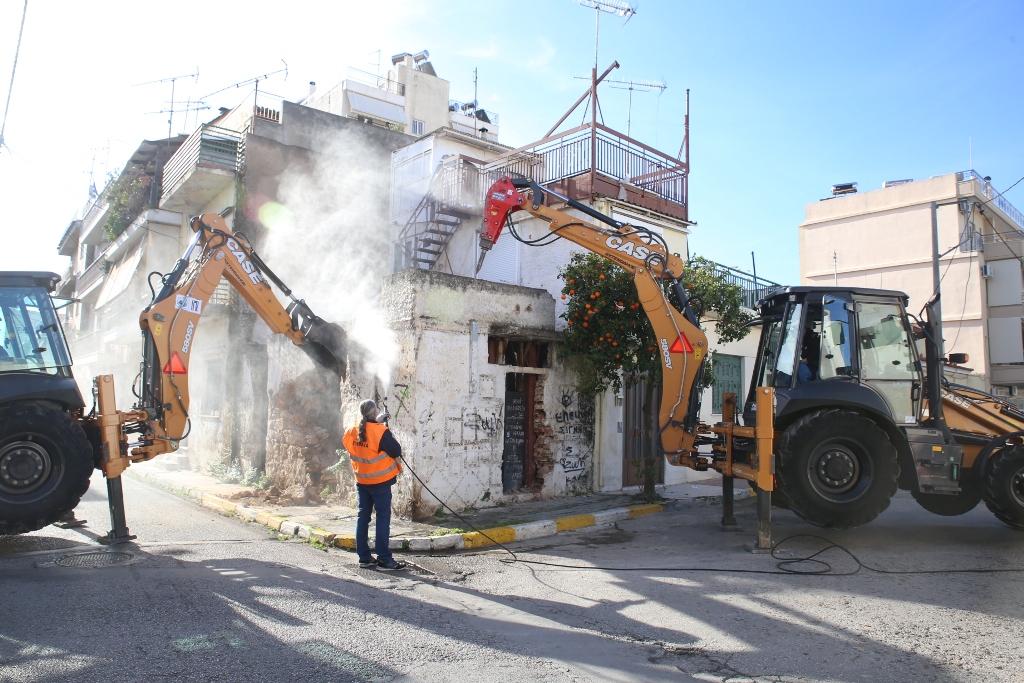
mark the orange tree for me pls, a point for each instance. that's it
(609, 339)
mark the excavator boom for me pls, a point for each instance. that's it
(169, 327)
(682, 344)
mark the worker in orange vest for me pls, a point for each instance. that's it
(373, 452)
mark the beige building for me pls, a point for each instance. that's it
(883, 239)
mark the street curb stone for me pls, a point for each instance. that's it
(444, 542)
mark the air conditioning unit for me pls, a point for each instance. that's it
(843, 188)
(986, 270)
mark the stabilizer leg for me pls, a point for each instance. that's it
(728, 517)
(119, 524)
(763, 546)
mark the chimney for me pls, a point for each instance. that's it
(312, 88)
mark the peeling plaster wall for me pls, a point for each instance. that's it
(447, 401)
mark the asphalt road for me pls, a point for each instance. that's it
(210, 598)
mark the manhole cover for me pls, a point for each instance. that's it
(94, 560)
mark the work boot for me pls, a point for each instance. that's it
(390, 565)
(368, 564)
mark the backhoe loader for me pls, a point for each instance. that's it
(834, 440)
(49, 443)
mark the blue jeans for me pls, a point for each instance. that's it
(371, 497)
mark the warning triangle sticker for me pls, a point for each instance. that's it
(175, 366)
(681, 345)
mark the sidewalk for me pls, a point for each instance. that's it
(334, 525)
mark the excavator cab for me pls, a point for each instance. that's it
(852, 348)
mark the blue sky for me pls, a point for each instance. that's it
(786, 98)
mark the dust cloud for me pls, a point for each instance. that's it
(329, 240)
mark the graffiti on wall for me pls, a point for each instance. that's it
(575, 425)
(576, 417)
(471, 425)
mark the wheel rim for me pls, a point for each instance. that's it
(1017, 487)
(840, 471)
(24, 467)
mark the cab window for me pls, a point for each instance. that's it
(787, 358)
(884, 343)
(836, 359)
(30, 335)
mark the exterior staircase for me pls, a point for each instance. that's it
(452, 197)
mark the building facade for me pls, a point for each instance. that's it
(883, 239)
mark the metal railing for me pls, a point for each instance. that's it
(994, 197)
(207, 146)
(469, 109)
(383, 82)
(754, 289)
(617, 156)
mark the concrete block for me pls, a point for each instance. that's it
(274, 522)
(418, 544)
(610, 516)
(302, 531)
(325, 537)
(288, 528)
(344, 541)
(541, 529)
(449, 542)
(246, 513)
(574, 522)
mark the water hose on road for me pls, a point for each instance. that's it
(806, 565)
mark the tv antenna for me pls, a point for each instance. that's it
(631, 85)
(173, 80)
(255, 79)
(623, 9)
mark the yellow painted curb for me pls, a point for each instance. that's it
(325, 537)
(273, 522)
(218, 503)
(640, 510)
(574, 522)
(501, 534)
(345, 541)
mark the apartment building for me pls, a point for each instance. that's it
(883, 239)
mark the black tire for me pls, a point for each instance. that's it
(45, 465)
(950, 506)
(837, 468)
(1004, 486)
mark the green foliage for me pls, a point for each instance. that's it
(326, 491)
(609, 337)
(317, 544)
(128, 195)
(446, 532)
(232, 473)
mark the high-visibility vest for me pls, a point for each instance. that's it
(370, 464)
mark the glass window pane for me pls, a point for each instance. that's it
(884, 343)
(32, 337)
(787, 354)
(770, 339)
(836, 358)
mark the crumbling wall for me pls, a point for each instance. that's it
(452, 425)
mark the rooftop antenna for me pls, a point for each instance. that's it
(10, 88)
(173, 80)
(476, 104)
(640, 85)
(623, 9)
(835, 268)
(376, 52)
(255, 79)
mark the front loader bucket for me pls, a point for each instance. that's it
(327, 344)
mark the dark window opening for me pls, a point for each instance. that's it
(522, 353)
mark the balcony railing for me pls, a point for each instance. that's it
(383, 82)
(485, 116)
(569, 154)
(754, 289)
(208, 146)
(994, 197)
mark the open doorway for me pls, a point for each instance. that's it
(632, 435)
(517, 467)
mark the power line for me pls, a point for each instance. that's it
(10, 88)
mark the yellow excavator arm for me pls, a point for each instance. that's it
(170, 324)
(682, 344)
